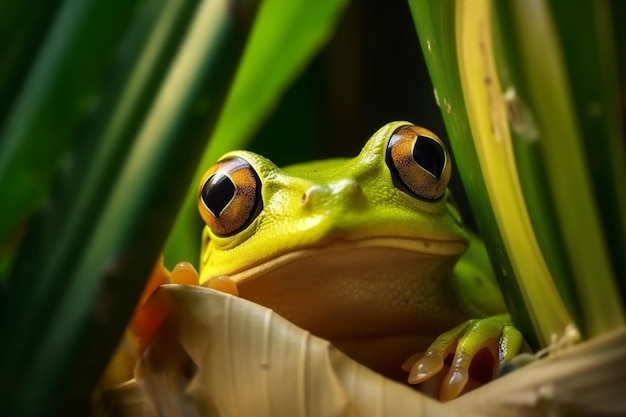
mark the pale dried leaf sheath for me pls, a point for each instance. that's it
(252, 362)
(224, 356)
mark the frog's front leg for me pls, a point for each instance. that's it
(492, 332)
(494, 335)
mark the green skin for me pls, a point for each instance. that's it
(340, 250)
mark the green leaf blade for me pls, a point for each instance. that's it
(434, 22)
(87, 304)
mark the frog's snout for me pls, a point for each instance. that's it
(342, 193)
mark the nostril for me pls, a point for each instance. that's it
(308, 196)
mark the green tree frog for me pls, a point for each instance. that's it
(369, 253)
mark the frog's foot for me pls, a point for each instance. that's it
(185, 274)
(495, 336)
(224, 284)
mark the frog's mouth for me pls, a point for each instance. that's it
(363, 288)
(427, 247)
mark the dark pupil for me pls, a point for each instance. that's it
(217, 193)
(429, 155)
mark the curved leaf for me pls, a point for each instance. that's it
(250, 361)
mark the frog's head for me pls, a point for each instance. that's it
(382, 218)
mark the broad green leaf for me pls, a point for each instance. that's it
(22, 33)
(59, 331)
(53, 102)
(542, 109)
(485, 104)
(547, 84)
(592, 68)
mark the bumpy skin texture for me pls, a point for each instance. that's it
(366, 252)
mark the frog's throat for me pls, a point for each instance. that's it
(425, 247)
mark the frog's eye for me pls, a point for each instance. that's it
(418, 162)
(229, 196)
